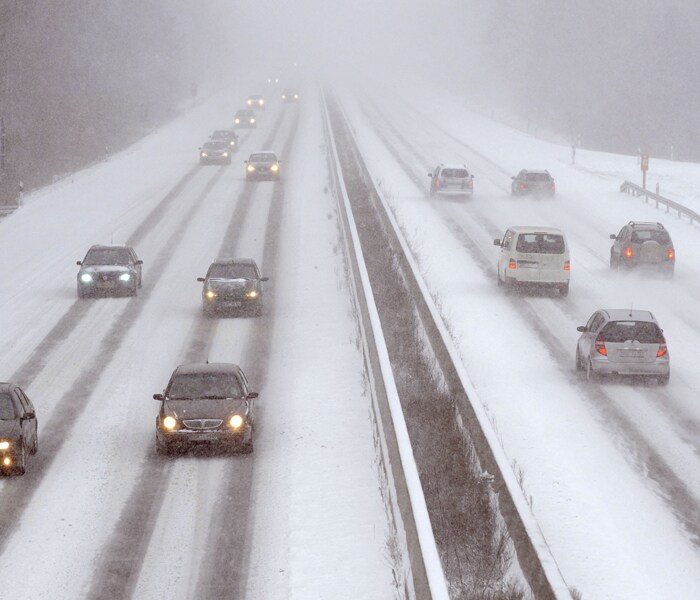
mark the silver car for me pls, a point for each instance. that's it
(623, 342)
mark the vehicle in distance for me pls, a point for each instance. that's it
(533, 182)
(206, 404)
(226, 135)
(451, 179)
(623, 342)
(19, 435)
(534, 256)
(256, 101)
(216, 152)
(109, 270)
(262, 165)
(642, 245)
(290, 95)
(244, 118)
(232, 285)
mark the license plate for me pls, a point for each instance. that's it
(105, 284)
(205, 437)
(234, 303)
(632, 353)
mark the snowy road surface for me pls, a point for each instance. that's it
(611, 468)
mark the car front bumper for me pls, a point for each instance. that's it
(189, 437)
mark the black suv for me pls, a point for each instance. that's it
(533, 182)
(643, 245)
(206, 403)
(109, 270)
(232, 284)
(18, 429)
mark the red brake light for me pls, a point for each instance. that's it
(600, 346)
(567, 265)
(663, 349)
(512, 265)
(671, 254)
(522, 186)
(628, 252)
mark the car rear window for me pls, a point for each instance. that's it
(540, 243)
(232, 272)
(7, 408)
(643, 332)
(537, 176)
(656, 235)
(203, 385)
(457, 173)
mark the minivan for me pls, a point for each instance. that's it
(534, 256)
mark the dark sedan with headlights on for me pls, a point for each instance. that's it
(226, 135)
(109, 270)
(232, 284)
(18, 429)
(217, 152)
(262, 165)
(206, 404)
(244, 118)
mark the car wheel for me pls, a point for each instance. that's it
(140, 281)
(35, 445)
(510, 284)
(208, 311)
(614, 264)
(81, 291)
(163, 448)
(21, 465)
(590, 373)
(247, 448)
(579, 366)
(498, 279)
(564, 290)
(664, 379)
(134, 290)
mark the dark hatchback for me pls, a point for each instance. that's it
(232, 285)
(533, 182)
(109, 270)
(206, 404)
(18, 429)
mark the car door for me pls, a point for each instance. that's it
(27, 419)
(621, 242)
(588, 337)
(136, 265)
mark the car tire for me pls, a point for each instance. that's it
(564, 290)
(498, 279)
(510, 284)
(35, 445)
(614, 264)
(81, 292)
(134, 290)
(163, 448)
(579, 366)
(247, 448)
(208, 311)
(21, 465)
(664, 379)
(591, 375)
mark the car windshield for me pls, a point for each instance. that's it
(643, 332)
(262, 157)
(537, 176)
(205, 385)
(107, 256)
(214, 145)
(221, 271)
(7, 409)
(540, 243)
(460, 173)
(659, 236)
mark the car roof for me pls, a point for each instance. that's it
(110, 247)
(453, 166)
(646, 225)
(234, 261)
(197, 368)
(629, 314)
(264, 152)
(533, 229)
(542, 172)
(6, 387)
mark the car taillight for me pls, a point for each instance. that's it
(512, 265)
(628, 252)
(552, 187)
(600, 346)
(663, 349)
(522, 186)
(671, 254)
(567, 265)
(438, 183)
(471, 183)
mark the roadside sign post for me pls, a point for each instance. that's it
(644, 163)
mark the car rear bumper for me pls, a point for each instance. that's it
(603, 366)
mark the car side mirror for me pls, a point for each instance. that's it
(582, 328)
(200, 279)
(613, 236)
(430, 175)
(139, 262)
(79, 263)
(251, 395)
(158, 396)
(30, 415)
(513, 177)
(496, 242)
(264, 279)
(245, 162)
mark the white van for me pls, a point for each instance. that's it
(534, 256)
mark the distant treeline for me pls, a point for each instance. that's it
(620, 75)
(78, 76)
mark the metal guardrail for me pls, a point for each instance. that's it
(636, 190)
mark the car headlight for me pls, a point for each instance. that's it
(249, 103)
(252, 294)
(232, 143)
(250, 168)
(124, 277)
(252, 120)
(275, 168)
(261, 102)
(284, 97)
(225, 154)
(169, 423)
(296, 96)
(4, 445)
(236, 120)
(236, 421)
(211, 294)
(86, 278)
(7, 462)
(204, 155)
